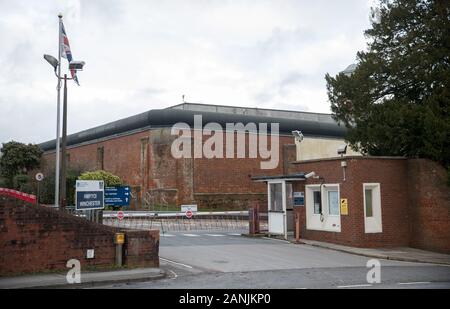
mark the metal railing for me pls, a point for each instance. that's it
(165, 222)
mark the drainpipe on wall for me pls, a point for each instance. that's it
(344, 166)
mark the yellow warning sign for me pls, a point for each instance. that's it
(344, 207)
(119, 238)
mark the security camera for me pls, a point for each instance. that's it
(309, 175)
(342, 150)
(76, 65)
(298, 135)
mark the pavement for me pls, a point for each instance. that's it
(224, 260)
(406, 254)
(218, 259)
(88, 279)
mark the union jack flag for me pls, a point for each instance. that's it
(66, 53)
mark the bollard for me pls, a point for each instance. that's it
(119, 240)
(256, 214)
(253, 217)
(297, 226)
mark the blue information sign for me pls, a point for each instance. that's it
(89, 195)
(299, 198)
(117, 196)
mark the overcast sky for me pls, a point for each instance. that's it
(142, 55)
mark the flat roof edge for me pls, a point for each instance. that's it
(351, 158)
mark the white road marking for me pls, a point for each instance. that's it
(410, 283)
(353, 286)
(191, 235)
(176, 263)
(215, 235)
(167, 235)
(234, 234)
(174, 274)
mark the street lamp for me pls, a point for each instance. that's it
(52, 60)
(73, 66)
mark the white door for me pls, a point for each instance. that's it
(276, 208)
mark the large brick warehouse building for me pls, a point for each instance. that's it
(138, 149)
(352, 199)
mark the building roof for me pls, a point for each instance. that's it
(255, 111)
(299, 176)
(159, 118)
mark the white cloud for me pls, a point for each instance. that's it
(145, 54)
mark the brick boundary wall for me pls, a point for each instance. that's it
(39, 239)
(429, 196)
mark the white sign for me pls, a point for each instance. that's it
(192, 208)
(90, 253)
(39, 176)
(89, 194)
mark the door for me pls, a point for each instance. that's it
(276, 209)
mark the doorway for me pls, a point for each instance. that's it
(280, 208)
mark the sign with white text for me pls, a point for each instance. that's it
(89, 194)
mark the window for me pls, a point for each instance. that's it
(100, 157)
(289, 196)
(323, 207)
(333, 203)
(317, 203)
(372, 208)
(369, 203)
(276, 197)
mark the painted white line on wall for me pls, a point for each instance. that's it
(410, 283)
(353, 286)
(176, 263)
(191, 235)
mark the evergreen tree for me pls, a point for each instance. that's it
(397, 100)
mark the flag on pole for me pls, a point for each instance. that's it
(66, 53)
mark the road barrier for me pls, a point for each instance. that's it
(201, 221)
(30, 198)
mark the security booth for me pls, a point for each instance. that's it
(280, 199)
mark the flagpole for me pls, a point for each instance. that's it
(58, 108)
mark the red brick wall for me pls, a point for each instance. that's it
(141, 248)
(35, 239)
(390, 173)
(429, 197)
(178, 181)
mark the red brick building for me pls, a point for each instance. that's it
(351, 200)
(363, 202)
(138, 149)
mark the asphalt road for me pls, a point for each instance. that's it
(199, 260)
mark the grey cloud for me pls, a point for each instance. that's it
(145, 54)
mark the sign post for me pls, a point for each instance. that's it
(89, 195)
(39, 177)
